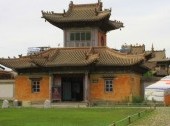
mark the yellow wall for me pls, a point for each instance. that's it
(23, 91)
(124, 87)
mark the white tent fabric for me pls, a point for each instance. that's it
(158, 90)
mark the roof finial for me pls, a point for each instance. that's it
(96, 12)
(71, 3)
(20, 56)
(152, 48)
(59, 45)
(100, 5)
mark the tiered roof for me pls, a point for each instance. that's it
(57, 57)
(83, 15)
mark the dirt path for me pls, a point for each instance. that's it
(161, 117)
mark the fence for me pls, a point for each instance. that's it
(130, 119)
(113, 104)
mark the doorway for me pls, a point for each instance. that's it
(72, 88)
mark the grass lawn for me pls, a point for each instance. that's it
(63, 116)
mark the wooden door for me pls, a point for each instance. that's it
(66, 91)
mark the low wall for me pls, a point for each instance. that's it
(7, 89)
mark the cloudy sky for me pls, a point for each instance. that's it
(21, 25)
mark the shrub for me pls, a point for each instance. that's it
(137, 99)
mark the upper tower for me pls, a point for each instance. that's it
(83, 24)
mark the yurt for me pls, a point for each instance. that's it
(159, 91)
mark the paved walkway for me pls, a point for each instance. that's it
(161, 117)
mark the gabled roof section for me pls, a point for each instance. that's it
(158, 55)
(88, 15)
(57, 57)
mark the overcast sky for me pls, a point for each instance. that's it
(21, 25)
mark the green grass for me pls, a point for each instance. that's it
(63, 116)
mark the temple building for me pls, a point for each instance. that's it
(85, 69)
(157, 60)
(162, 62)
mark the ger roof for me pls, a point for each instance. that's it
(57, 57)
(164, 83)
(83, 15)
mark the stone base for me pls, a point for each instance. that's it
(26, 103)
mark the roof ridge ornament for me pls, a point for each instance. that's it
(52, 55)
(90, 52)
(20, 56)
(35, 62)
(96, 12)
(152, 48)
(92, 56)
(100, 5)
(71, 4)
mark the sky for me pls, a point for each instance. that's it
(21, 26)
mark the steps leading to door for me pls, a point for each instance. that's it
(63, 105)
(70, 104)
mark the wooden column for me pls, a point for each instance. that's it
(86, 87)
(50, 86)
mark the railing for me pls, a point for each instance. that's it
(78, 44)
(130, 119)
(113, 104)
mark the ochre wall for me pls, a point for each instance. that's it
(167, 100)
(124, 87)
(23, 91)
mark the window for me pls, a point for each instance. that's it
(108, 85)
(88, 36)
(83, 36)
(35, 86)
(80, 36)
(72, 38)
(77, 36)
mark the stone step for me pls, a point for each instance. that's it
(70, 104)
(64, 105)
